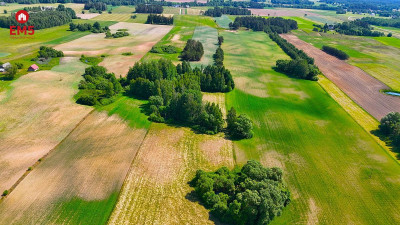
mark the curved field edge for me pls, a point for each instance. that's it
(337, 169)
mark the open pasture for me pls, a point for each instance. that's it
(209, 38)
(37, 113)
(223, 21)
(156, 190)
(113, 17)
(358, 85)
(141, 40)
(79, 181)
(332, 166)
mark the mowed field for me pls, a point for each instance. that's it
(223, 21)
(156, 190)
(208, 36)
(78, 183)
(37, 113)
(337, 173)
(357, 84)
(141, 40)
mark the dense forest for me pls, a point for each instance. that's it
(99, 6)
(366, 6)
(144, 8)
(252, 194)
(357, 28)
(389, 129)
(174, 92)
(98, 87)
(95, 28)
(42, 19)
(274, 24)
(159, 19)
(193, 51)
(382, 22)
(335, 52)
(217, 11)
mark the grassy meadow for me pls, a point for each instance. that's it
(209, 38)
(332, 166)
(223, 21)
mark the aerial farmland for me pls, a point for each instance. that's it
(200, 112)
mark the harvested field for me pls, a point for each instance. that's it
(142, 38)
(281, 12)
(358, 85)
(113, 17)
(36, 116)
(89, 165)
(88, 16)
(156, 189)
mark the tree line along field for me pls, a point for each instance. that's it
(338, 169)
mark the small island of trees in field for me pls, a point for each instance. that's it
(335, 52)
(389, 129)
(252, 194)
(193, 51)
(146, 8)
(159, 19)
(95, 28)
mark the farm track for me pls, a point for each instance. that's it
(44, 157)
(357, 84)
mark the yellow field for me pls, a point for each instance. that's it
(113, 17)
(156, 190)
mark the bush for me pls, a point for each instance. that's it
(252, 194)
(127, 53)
(390, 35)
(167, 49)
(335, 52)
(5, 193)
(87, 100)
(19, 65)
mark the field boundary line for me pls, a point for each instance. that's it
(127, 174)
(381, 143)
(44, 156)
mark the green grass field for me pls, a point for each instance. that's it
(209, 38)
(223, 21)
(336, 172)
(370, 54)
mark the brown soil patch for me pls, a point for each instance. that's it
(313, 211)
(273, 159)
(37, 116)
(358, 85)
(88, 164)
(141, 40)
(218, 151)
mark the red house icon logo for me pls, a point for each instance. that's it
(22, 16)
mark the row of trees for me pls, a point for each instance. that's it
(98, 87)
(219, 57)
(193, 51)
(159, 19)
(95, 28)
(252, 194)
(357, 28)
(217, 11)
(117, 34)
(164, 49)
(42, 19)
(274, 24)
(335, 52)
(382, 22)
(298, 68)
(389, 128)
(99, 6)
(144, 8)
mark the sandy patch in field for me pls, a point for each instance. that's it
(91, 163)
(87, 16)
(378, 158)
(250, 87)
(300, 94)
(37, 116)
(357, 84)
(313, 211)
(218, 150)
(273, 159)
(141, 40)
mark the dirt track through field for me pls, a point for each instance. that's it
(357, 84)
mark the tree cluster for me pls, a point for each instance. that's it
(98, 87)
(273, 24)
(216, 79)
(95, 28)
(217, 11)
(49, 52)
(42, 19)
(193, 51)
(144, 8)
(219, 57)
(98, 6)
(159, 19)
(390, 128)
(174, 93)
(164, 49)
(239, 127)
(357, 28)
(117, 34)
(335, 52)
(292, 2)
(298, 68)
(252, 194)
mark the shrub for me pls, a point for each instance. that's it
(5, 193)
(19, 65)
(87, 100)
(127, 53)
